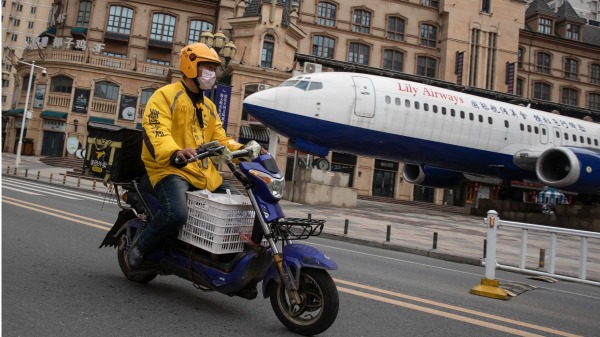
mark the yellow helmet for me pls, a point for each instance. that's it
(193, 54)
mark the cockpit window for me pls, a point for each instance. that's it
(315, 86)
(302, 85)
(288, 83)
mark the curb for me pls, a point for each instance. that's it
(405, 249)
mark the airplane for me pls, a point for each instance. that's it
(438, 133)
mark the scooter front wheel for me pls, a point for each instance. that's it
(139, 276)
(318, 309)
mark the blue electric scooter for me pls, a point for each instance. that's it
(295, 278)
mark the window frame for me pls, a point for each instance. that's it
(62, 84)
(357, 48)
(393, 23)
(545, 26)
(121, 22)
(111, 86)
(322, 50)
(393, 61)
(426, 66)
(571, 68)
(539, 94)
(195, 32)
(359, 16)
(163, 27)
(326, 14)
(543, 64)
(267, 51)
(84, 14)
(428, 35)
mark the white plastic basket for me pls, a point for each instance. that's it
(215, 225)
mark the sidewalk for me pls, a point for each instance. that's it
(460, 238)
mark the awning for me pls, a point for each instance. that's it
(258, 134)
(49, 32)
(79, 31)
(101, 120)
(13, 112)
(49, 114)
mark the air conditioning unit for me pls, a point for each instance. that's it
(8, 30)
(310, 68)
(262, 87)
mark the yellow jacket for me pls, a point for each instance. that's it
(170, 125)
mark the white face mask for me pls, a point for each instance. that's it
(207, 80)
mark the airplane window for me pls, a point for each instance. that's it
(407, 103)
(522, 127)
(528, 128)
(596, 142)
(566, 136)
(388, 99)
(471, 116)
(589, 141)
(315, 86)
(574, 138)
(398, 101)
(288, 83)
(462, 114)
(443, 110)
(581, 140)
(452, 112)
(505, 123)
(480, 119)
(416, 105)
(434, 108)
(557, 134)
(491, 121)
(544, 132)
(302, 85)
(425, 106)
(536, 130)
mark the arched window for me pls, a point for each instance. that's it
(326, 13)
(26, 83)
(359, 53)
(541, 90)
(62, 84)
(361, 21)
(83, 15)
(163, 27)
(146, 94)
(570, 96)
(543, 63)
(426, 66)
(323, 46)
(266, 60)
(119, 20)
(393, 60)
(395, 29)
(196, 29)
(594, 101)
(428, 35)
(106, 90)
(571, 68)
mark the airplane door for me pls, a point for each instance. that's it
(544, 134)
(557, 135)
(365, 97)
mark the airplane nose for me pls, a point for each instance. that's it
(259, 103)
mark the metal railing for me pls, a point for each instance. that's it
(494, 223)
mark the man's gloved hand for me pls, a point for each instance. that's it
(255, 149)
(225, 156)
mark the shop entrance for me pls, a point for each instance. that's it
(53, 144)
(384, 178)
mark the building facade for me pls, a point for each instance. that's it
(105, 67)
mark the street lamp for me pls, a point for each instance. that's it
(26, 111)
(219, 42)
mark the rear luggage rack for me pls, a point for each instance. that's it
(297, 228)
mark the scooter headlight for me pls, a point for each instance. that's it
(275, 185)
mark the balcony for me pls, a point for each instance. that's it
(108, 62)
(59, 100)
(104, 106)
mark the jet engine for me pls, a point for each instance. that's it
(431, 176)
(570, 168)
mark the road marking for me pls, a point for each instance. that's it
(54, 190)
(446, 306)
(18, 190)
(106, 226)
(58, 213)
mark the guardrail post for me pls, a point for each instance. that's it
(346, 227)
(388, 234)
(435, 236)
(490, 286)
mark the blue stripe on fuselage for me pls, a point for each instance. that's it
(382, 145)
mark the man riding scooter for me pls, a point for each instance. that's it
(177, 120)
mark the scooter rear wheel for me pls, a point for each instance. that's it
(319, 307)
(139, 276)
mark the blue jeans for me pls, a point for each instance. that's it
(173, 211)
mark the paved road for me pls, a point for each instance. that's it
(460, 238)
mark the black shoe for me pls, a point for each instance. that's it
(135, 257)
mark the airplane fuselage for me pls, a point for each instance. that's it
(420, 124)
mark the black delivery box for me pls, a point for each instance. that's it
(113, 153)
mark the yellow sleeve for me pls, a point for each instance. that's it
(157, 125)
